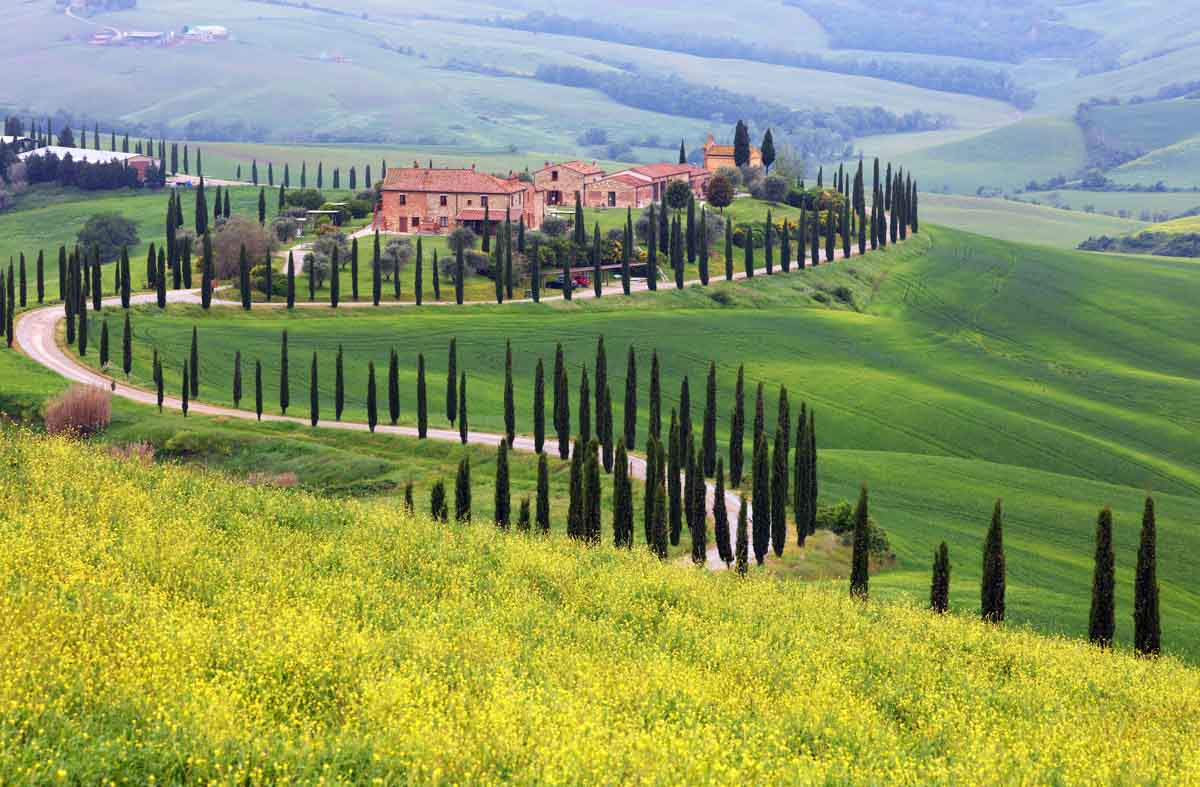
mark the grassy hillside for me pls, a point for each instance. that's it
(1138, 205)
(1058, 380)
(1178, 166)
(1022, 223)
(1178, 226)
(221, 632)
(1147, 126)
(1004, 159)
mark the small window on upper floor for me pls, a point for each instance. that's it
(443, 200)
(553, 174)
(403, 199)
(483, 200)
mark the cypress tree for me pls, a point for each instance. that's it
(409, 505)
(244, 278)
(585, 407)
(603, 416)
(206, 272)
(737, 430)
(502, 503)
(462, 408)
(993, 580)
(846, 230)
(685, 417)
(939, 588)
(285, 395)
(291, 281)
(339, 385)
(462, 491)
(127, 347)
(627, 252)
(335, 276)
(156, 365)
(376, 273)
(703, 243)
(690, 229)
(510, 410)
(562, 409)
(748, 250)
(508, 258)
(194, 362)
(393, 386)
(422, 402)
(314, 393)
(21, 281)
(721, 516)
(591, 495)
(769, 244)
(282, 200)
(812, 473)
(779, 478)
(437, 496)
(709, 436)
(728, 250)
(785, 248)
(575, 495)
(451, 382)
(262, 205)
(830, 232)
(437, 278)
(800, 483)
(699, 529)
(567, 264)
(741, 555)
(83, 328)
(123, 278)
(860, 577)
(1147, 632)
(622, 504)
(674, 500)
(761, 498)
(104, 344)
(651, 481)
(184, 386)
(655, 397)
(258, 389)
(312, 286)
(497, 269)
(597, 289)
(542, 510)
(40, 276)
(652, 257)
(354, 269)
(225, 209)
(160, 281)
(630, 428)
(659, 540)
(539, 407)
(185, 259)
(815, 238)
(237, 379)
(690, 474)
(1102, 620)
(372, 401)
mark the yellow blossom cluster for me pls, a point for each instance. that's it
(161, 625)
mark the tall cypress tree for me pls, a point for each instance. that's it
(785, 247)
(244, 278)
(591, 495)
(575, 494)
(156, 365)
(463, 428)
(437, 278)
(1147, 632)
(698, 527)
(542, 508)
(800, 477)
(291, 281)
(597, 288)
(206, 272)
(622, 504)
(184, 389)
(353, 269)
(748, 251)
(372, 398)
(237, 379)
(860, 576)
(742, 550)
(462, 490)
(393, 386)
(939, 588)
(460, 272)
(339, 385)
(503, 502)
(452, 382)
(438, 508)
(314, 393)
(721, 517)
(690, 229)
(285, 394)
(761, 482)
(728, 250)
(659, 539)
(993, 580)
(779, 476)
(539, 407)
(262, 205)
(737, 430)
(650, 481)
(627, 251)
(769, 244)
(510, 407)
(83, 328)
(562, 408)
(585, 407)
(631, 399)
(376, 273)
(652, 256)
(685, 417)
(1102, 619)
(127, 347)
(674, 499)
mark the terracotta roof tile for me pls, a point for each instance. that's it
(448, 181)
(582, 167)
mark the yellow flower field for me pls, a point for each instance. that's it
(162, 623)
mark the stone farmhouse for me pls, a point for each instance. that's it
(423, 200)
(560, 182)
(717, 156)
(638, 187)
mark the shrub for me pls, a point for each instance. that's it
(554, 226)
(839, 519)
(227, 244)
(110, 232)
(309, 199)
(82, 410)
(775, 188)
(462, 237)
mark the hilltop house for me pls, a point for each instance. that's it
(638, 187)
(558, 183)
(717, 156)
(423, 200)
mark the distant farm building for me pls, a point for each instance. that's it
(717, 156)
(423, 200)
(135, 161)
(18, 144)
(638, 187)
(560, 182)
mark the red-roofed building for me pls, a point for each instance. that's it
(638, 187)
(422, 200)
(558, 183)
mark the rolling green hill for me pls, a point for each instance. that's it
(968, 369)
(1021, 222)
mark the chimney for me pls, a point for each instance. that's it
(472, 166)
(416, 165)
(547, 163)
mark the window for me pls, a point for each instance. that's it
(554, 174)
(442, 221)
(416, 222)
(483, 200)
(443, 200)
(403, 199)
(612, 199)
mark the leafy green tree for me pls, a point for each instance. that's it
(993, 580)
(109, 232)
(1147, 631)
(860, 576)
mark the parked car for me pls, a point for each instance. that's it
(557, 284)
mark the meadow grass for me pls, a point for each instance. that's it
(166, 625)
(1021, 222)
(957, 370)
